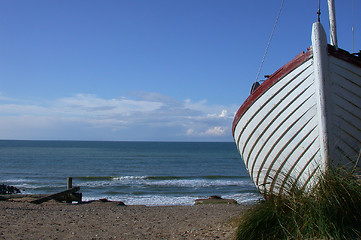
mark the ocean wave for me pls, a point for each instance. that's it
(149, 200)
(162, 181)
(126, 184)
(198, 183)
(108, 178)
(127, 170)
(195, 177)
(121, 178)
(160, 200)
(15, 180)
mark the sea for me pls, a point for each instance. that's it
(136, 173)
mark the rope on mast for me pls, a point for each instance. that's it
(270, 39)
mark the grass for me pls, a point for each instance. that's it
(331, 211)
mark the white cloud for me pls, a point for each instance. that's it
(215, 131)
(190, 132)
(223, 113)
(13, 109)
(146, 116)
(82, 104)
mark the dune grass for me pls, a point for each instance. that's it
(331, 211)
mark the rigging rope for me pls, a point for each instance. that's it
(270, 39)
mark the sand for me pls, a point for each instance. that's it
(109, 220)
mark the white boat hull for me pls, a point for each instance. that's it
(302, 119)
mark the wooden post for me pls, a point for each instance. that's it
(69, 185)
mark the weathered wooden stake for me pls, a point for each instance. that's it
(69, 185)
(69, 182)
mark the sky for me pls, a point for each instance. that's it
(146, 70)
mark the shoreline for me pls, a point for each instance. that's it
(111, 220)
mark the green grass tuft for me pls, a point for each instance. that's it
(331, 211)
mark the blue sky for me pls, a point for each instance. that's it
(149, 70)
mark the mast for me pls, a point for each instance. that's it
(332, 17)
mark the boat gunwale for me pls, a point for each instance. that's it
(270, 81)
(285, 70)
(344, 55)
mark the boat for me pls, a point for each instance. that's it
(303, 119)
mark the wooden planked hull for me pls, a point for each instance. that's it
(346, 101)
(303, 118)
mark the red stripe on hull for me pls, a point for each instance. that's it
(275, 77)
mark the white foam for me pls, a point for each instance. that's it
(197, 183)
(122, 178)
(157, 200)
(16, 180)
(149, 200)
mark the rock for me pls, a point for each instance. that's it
(215, 197)
(5, 189)
(215, 200)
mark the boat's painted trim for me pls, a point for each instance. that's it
(275, 77)
(344, 55)
(286, 69)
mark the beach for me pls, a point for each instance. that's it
(158, 182)
(112, 220)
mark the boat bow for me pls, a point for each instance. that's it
(304, 118)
